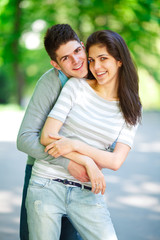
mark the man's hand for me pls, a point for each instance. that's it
(78, 171)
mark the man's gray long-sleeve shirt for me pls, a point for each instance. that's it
(43, 99)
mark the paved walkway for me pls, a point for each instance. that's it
(133, 192)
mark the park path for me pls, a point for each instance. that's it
(133, 192)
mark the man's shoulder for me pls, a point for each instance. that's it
(49, 79)
(51, 75)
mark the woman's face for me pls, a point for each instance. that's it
(103, 66)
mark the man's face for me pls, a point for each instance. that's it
(71, 60)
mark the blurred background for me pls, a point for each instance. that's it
(23, 60)
(23, 24)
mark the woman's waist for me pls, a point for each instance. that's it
(45, 169)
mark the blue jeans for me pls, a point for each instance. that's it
(47, 201)
(68, 232)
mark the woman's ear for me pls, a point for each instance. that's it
(55, 64)
(119, 63)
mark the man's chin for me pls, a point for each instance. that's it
(80, 74)
(84, 75)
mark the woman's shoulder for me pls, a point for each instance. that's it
(76, 81)
(75, 84)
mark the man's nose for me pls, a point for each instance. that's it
(74, 59)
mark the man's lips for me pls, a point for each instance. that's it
(78, 67)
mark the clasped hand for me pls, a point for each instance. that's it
(60, 146)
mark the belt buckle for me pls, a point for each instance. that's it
(65, 181)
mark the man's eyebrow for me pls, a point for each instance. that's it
(68, 54)
(78, 47)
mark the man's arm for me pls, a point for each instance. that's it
(28, 140)
(42, 101)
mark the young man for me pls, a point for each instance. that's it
(69, 59)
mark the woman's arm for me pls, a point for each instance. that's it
(111, 160)
(52, 127)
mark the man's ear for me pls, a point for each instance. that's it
(82, 45)
(55, 64)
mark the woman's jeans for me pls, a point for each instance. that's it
(47, 201)
(68, 232)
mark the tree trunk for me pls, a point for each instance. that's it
(18, 72)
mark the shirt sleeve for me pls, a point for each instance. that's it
(43, 99)
(65, 101)
(127, 134)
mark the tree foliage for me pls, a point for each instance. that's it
(23, 24)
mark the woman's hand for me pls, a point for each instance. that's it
(60, 147)
(65, 146)
(96, 177)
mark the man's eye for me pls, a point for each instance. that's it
(65, 58)
(78, 50)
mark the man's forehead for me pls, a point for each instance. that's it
(67, 48)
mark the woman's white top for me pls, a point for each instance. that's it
(87, 117)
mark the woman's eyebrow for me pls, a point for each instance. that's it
(101, 55)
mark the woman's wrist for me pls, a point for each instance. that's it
(88, 162)
(78, 146)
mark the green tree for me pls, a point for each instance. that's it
(24, 23)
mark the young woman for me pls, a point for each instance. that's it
(90, 115)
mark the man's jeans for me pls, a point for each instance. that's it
(68, 231)
(47, 201)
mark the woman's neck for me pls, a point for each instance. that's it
(107, 92)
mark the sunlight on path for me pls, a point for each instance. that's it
(132, 194)
(9, 124)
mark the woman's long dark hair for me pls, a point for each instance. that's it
(128, 90)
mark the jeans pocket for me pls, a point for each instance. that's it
(37, 182)
(91, 199)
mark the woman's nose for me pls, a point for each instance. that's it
(96, 65)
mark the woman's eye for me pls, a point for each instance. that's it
(90, 60)
(103, 58)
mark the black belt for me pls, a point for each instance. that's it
(66, 182)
